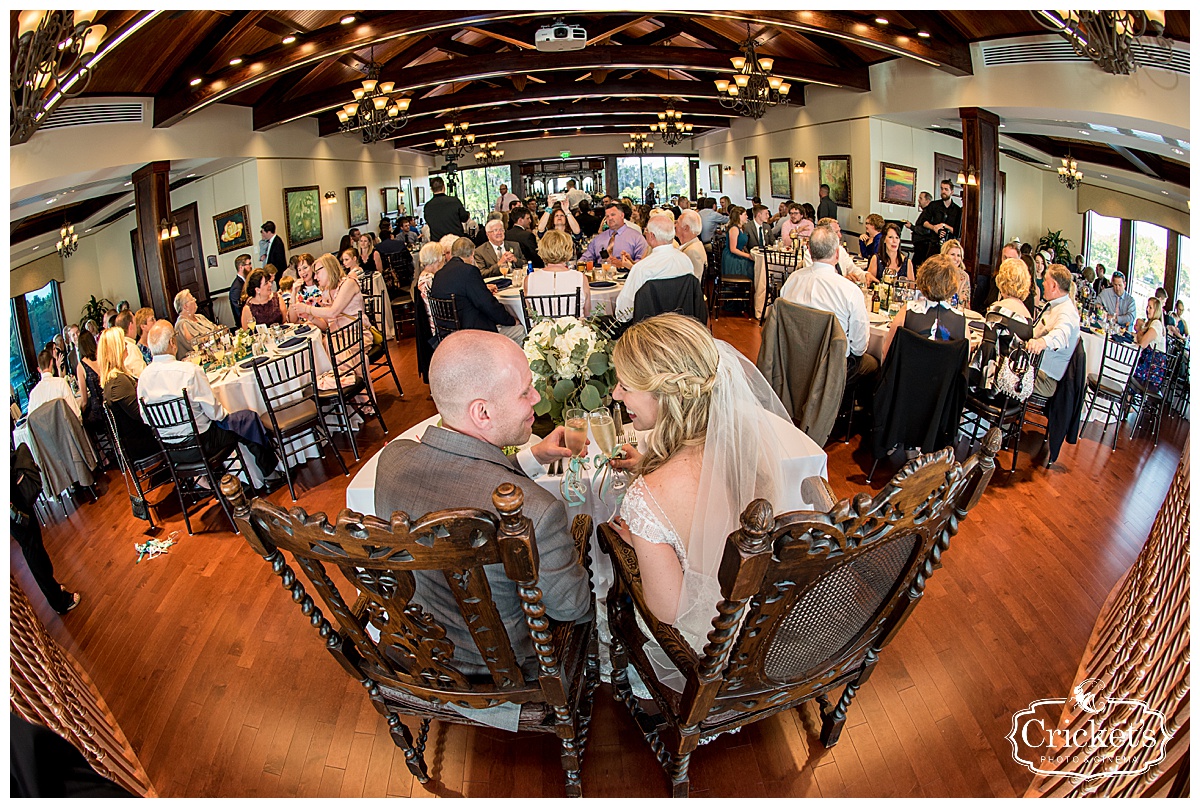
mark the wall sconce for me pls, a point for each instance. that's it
(331, 197)
(167, 231)
(969, 178)
(729, 170)
(799, 167)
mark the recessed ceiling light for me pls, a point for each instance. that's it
(35, 246)
(88, 230)
(1166, 193)
(289, 39)
(51, 201)
(1104, 176)
(1177, 151)
(1084, 132)
(935, 126)
(235, 61)
(349, 18)
(195, 81)
(129, 183)
(923, 34)
(189, 176)
(1001, 126)
(881, 20)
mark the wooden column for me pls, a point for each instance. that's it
(1171, 272)
(981, 216)
(152, 201)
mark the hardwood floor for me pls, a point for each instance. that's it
(224, 690)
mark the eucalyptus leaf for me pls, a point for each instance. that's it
(564, 389)
(542, 407)
(597, 364)
(589, 398)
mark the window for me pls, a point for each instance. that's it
(1149, 262)
(43, 321)
(479, 188)
(671, 176)
(1183, 282)
(17, 371)
(1103, 241)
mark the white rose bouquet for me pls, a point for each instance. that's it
(571, 362)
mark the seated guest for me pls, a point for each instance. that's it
(496, 250)
(953, 250)
(306, 289)
(687, 231)
(931, 316)
(620, 243)
(1180, 329)
(889, 259)
(1012, 286)
(710, 218)
(820, 287)
(290, 272)
(1039, 273)
(260, 305)
(50, 387)
(558, 218)
(119, 392)
(481, 386)
(1102, 282)
(91, 393)
(390, 245)
(286, 284)
(520, 231)
(133, 358)
(1089, 274)
(735, 257)
(478, 308)
(758, 232)
(167, 377)
(352, 263)
(844, 264)
(589, 223)
(190, 327)
(431, 258)
(795, 226)
(341, 298)
(664, 260)
(143, 318)
(872, 239)
(1151, 332)
(1117, 302)
(407, 236)
(556, 249)
(1055, 332)
(367, 254)
(1007, 318)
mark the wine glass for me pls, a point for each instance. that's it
(575, 424)
(604, 430)
(505, 268)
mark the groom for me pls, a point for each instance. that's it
(484, 392)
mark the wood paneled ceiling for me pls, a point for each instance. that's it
(484, 64)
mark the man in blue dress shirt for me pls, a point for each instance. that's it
(1117, 302)
(620, 243)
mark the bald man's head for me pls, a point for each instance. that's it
(160, 336)
(481, 384)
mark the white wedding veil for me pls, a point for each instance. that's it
(742, 460)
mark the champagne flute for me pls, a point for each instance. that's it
(575, 425)
(604, 429)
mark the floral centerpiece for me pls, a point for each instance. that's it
(571, 362)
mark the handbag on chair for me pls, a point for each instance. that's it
(1015, 373)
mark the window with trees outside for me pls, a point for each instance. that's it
(44, 321)
(1183, 283)
(669, 173)
(17, 369)
(479, 188)
(1149, 262)
(1104, 238)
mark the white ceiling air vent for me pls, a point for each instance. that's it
(93, 114)
(1177, 57)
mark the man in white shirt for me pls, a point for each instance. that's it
(687, 230)
(1056, 330)
(505, 198)
(50, 387)
(820, 287)
(167, 377)
(664, 260)
(844, 263)
(135, 363)
(574, 196)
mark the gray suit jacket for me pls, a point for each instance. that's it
(485, 257)
(448, 469)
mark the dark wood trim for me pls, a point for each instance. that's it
(558, 126)
(1171, 270)
(28, 349)
(1125, 251)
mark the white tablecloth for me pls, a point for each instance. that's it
(604, 298)
(881, 322)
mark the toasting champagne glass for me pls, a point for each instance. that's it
(604, 430)
(575, 425)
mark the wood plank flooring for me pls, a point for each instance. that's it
(224, 689)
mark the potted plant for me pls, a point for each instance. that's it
(94, 309)
(1058, 246)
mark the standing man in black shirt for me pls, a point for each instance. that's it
(589, 223)
(922, 238)
(444, 214)
(826, 208)
(945, 219)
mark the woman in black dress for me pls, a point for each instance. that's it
(931, 316)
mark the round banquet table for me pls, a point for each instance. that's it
(237, 389)
(880, 322)
(605, 298)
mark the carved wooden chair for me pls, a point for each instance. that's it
(809, 600)
(398, 651)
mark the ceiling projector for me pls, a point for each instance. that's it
(560, 37)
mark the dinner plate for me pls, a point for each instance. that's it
(602, 284)
(500, 283)
(877, 318)
(304, 329)
(252, 361)
(291, 342)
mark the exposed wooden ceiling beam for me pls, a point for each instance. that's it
(614, 31)
(604, 122)
(596, 58)
(1116, 157)
(511, 40)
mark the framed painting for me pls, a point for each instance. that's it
(420, 194)
(897, 184)
(714, 179)
(303, 207)
(356, 205)
(233, 229)
(391, 201)
(834, 170)
(750, 165)
(781, 177)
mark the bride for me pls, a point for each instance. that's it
(712, 449)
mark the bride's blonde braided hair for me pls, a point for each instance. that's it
(674, 358)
